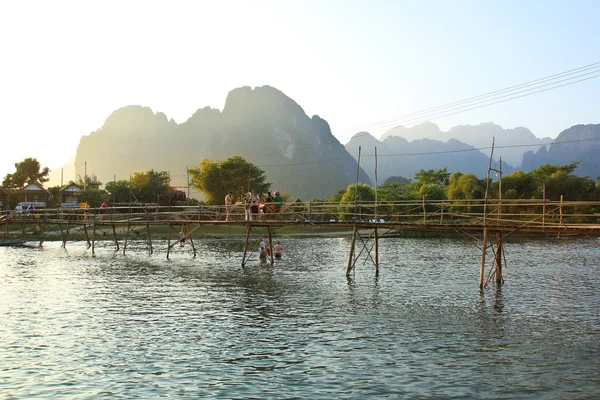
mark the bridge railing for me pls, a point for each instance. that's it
(423, 212)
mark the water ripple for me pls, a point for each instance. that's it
(111, 325)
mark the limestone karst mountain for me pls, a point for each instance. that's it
(397, 156)
(579, 143)
(299, 154)
(479, 136)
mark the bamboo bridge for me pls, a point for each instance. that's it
(367, 222)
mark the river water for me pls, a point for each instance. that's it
(75, 325)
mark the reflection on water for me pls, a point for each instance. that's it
(138, 325)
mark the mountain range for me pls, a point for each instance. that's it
(299, 153)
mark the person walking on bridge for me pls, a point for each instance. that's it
(228, 204)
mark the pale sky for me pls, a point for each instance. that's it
(65, 66)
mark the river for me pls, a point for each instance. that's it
(77, 325)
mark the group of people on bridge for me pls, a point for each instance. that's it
(254, 205)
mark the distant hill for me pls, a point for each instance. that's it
(262, 125)
(397, 156)
(572, 145)
(478, 136)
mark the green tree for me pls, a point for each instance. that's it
(151, 186)
(93, 197)
(337, 197)
(236, 174)
(465, 187)
(365, 194)
(518, 185)
(392, 191)
(439, 177)
(120, 191)
(397, 179)
(27, 171)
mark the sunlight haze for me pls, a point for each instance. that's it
(67, 65)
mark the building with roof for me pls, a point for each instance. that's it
(68, 196)
(34, 194)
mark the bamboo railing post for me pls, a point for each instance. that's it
(560, 209)
(544, 206)
(424, 213)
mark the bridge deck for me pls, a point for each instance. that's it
(527, 216)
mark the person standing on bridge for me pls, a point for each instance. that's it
(254, 204)
(278, 200)
(228, 204)
(19, 210)
(102, 210)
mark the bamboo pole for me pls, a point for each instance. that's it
(270, 243)
(87, 236)
(560, 210)
(351, 257)
(189, 235)
(115, 236)
(246, 245)
(424, 213)
(43, 231)
(499, 277)
(93, 238)
(485, 230)
(544, 206)
(376, 239)
(376, 254)
(169, 242)
(483, 251)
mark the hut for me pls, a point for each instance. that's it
(68, 197)
(34, 194)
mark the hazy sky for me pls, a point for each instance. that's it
(66, 65)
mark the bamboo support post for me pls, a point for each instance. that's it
(114, 229)
(248, 227)
(376, 253)
(43, 231)
(483, 251)
(94, 238)
(270, 244)
(351, 256)
(189, 236)
(169, 242)
(499, 277)
(87, 237)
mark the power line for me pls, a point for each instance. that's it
(471, 99)
(498, 96)
(433, 152)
